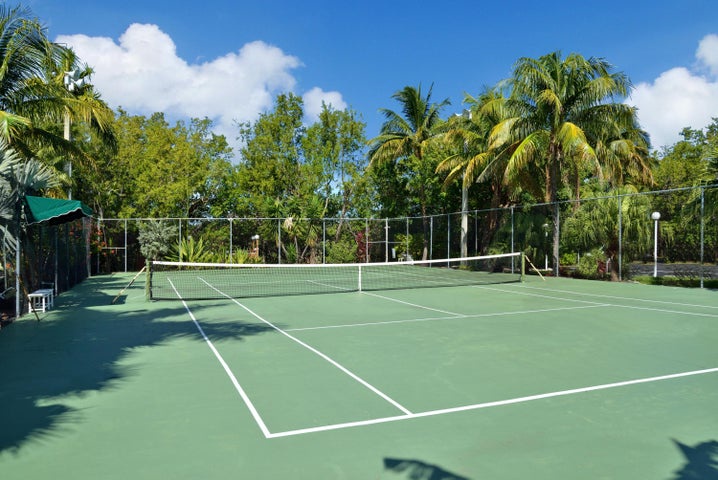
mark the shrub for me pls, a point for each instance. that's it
(190, 250)
(156, 238)
(342, 251)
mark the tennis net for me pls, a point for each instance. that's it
(196, 281)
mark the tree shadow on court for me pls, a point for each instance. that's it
(701, 461)
(78, 349)
(418, 470)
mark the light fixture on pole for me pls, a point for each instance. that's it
(655, 216)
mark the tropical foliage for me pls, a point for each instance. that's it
(406, 140)
(555, 134)
(564, 110)
(35, 99)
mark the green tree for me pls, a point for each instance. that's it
(333, 147)
(19, 178)
(23, 50)
(32, 99)
(472, 160)
(159, 170)
(405, 139)
(82, 105)
(595, 225)
(156, 238)
(558, 106)
(270, 160)
(687, 163)
(297, 172)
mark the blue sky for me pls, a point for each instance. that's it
(228, 59)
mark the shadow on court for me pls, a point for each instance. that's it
(418, 470)
(701, 461)
(77, 349)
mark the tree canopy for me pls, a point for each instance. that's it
(555, 133)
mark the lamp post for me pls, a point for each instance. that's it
(74, 81)
(545, 243)
(254, 253)
(655, 216)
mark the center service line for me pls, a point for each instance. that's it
(233, 379)
(317, 352)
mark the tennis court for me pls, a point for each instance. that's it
(536, 379)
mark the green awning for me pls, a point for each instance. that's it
(52, 211)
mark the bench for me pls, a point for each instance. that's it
(41, 300)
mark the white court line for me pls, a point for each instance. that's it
(663, 310)
(335, 287)
(412, 304)
(315, 351)
(529, 294)
(616, 297)
(511, 401)
(235, 382)
(437, 319)
(633, 307)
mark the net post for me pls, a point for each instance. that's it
(523, 267)
(148, 282)
(359, 279)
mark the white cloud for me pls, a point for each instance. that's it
(143, 74)
(314, 98)
(708, 52)
(680, 97)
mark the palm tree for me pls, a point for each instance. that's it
(70, 79)
(473, 160)
(33, 95)
(622, 149)
(559, 106)
(406, 136)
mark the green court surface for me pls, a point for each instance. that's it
(555, 379)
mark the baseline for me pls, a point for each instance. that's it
(499, 403)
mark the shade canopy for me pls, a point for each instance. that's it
(52, 211)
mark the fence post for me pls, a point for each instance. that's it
(366, 240)
(386, 240)
(448, 235)
(512, 240)
(406, 256)
(431, 237)
(703, 224)
(179, 245)
(125, 246)
(279, 240)
(324, 240)
(57, 260)
(620, 237)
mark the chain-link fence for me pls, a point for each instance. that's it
(51, 257)
(604, 237)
